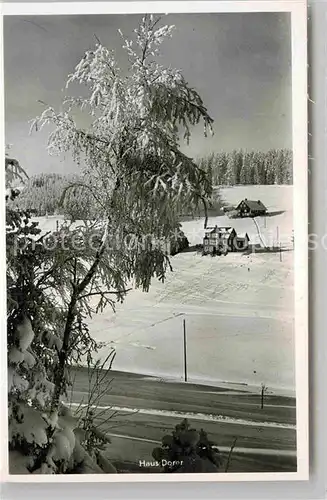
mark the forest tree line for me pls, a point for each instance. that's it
(249, 167)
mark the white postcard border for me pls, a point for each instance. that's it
(298, 10)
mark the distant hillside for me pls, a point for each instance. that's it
(44, 195)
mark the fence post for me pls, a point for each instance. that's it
(185, 352)
(263, 390)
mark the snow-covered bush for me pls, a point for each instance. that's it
(187, 450)
(42, 441)
(178, 241)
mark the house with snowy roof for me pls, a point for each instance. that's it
(223, 239)
(251, 208)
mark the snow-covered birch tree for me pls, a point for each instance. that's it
(132, 166)
(137, 178)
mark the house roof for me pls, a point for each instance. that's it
(243, 235)
(219, 229)
(225, 236)
(253, 205)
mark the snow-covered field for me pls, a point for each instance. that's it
(238, 308)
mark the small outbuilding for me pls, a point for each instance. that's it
(251, 208)
(241, 242)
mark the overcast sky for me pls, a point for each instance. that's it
(239, 63)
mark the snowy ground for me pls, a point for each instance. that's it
(238, 308)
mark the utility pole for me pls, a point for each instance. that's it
(280, 252)
(185, 352)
